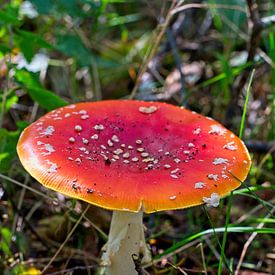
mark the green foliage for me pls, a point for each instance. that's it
(7, 17)
(8, 141)
(6, 238)
(30, 43)
(45, 98)
(72, 46)
(227, 20)
(11, 99)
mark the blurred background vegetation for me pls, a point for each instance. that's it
(198, 54)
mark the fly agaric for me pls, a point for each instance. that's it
(133, 157)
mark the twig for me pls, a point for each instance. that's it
(251, 212)
(256, 29)
(177, 268)
(203, 258)
(94, 69)
(19, 204)
(248, 243)
(176, 55)
(152, 52)
(178, 250)
(208, 6)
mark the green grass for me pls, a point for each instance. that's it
(229, 204)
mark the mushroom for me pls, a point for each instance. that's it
(133, 157)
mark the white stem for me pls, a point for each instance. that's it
(126, 238)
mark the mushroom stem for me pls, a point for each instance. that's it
(126, 238)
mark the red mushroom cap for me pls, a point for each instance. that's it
(132, 155)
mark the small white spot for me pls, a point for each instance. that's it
(82, 112)
(135, 159)
(225, 176)
(126, 161)
(175, 171)
(53, 168)
(148, 110)
(116, 157)
(85, 141)
(110, 143)
(118, 151)
(49, 148)
(84, 117)
(215, 129)
(104, 156)
(144, 154)
(39, 143)
(220, 161)
(176, 160)
(148, 160)
(138, 141)
(186, 152)
(72, 139)
(72, 106)
(103, 147)
(70, 158)
(199, 185)
(150, 166)
(214, 200)
(167, 153)
(67, 115)
(167, 166)
(78, 160)
(140, 150)
(213, 177)
(122, 145)
(126, 155)
(197, 131)
(94, 137)
(191, 145)
(115, 138)
(78, 128)
(172, 198)
(174, 176)
(230, 146)
(99, 127)
(48, 131)
(245, 162)
(130, 147)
